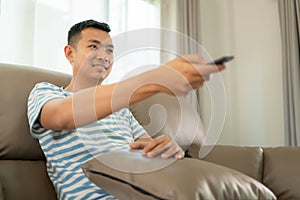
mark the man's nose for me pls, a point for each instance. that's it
(102, 54)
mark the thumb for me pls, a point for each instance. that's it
(138, 145)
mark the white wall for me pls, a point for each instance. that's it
(250, 31)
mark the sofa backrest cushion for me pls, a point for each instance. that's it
(16, 83)
(248, 160)
(172, 116)
(281, 171)
(165, 114)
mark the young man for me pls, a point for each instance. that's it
(66, 119)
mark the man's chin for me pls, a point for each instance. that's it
(100, 78)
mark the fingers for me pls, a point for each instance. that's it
(175, 151)
(138, 145)
(193, 58)
(180, 155)
(196, 59)
(158, 151)
(198, 72)
(192, 68)
(183, 74)
(207, 69)
(163, 146)
(215, 68)
(158, 145)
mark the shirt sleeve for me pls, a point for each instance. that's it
(137, 130)
(39, 95)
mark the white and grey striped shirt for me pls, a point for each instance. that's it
(67, 150)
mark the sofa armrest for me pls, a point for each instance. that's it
(1, 192)
(281, 171)
(25, 179)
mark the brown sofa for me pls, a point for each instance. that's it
(22, 164)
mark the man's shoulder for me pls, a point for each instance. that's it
(45, 85)
(124, 112)
(46, 90)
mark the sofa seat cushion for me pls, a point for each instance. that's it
(128, 175)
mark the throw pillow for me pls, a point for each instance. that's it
(128, 175)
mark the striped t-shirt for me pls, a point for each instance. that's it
(67, 150)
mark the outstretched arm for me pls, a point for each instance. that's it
(176, 77)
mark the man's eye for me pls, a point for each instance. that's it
(110, 51)
(93, 46)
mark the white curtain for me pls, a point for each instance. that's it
(183, 16)
(289, 11)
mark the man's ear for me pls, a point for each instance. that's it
(69, 53)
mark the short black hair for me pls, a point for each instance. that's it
(75, 30)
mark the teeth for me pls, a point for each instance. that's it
(105, 67)
(100, 67)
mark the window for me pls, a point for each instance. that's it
(35, 32)
(130, 15)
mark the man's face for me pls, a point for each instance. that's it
(93, 55)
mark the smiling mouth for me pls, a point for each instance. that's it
(101, 68)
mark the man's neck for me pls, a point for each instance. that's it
(77, 85)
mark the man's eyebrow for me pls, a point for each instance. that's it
(98, 42)
(111, 46)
